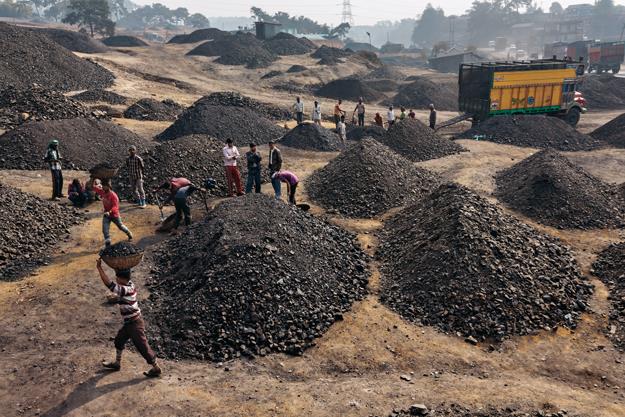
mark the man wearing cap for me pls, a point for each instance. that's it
(253, 159)
(135, 166)
(53, 158)
(231, 154)
(275, 165)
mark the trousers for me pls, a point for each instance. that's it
(135, 331)
(233, 176)
(106, 227)
(182, 210)
(253, 180)
(57, 182)
(136, 185)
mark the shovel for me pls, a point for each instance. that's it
(160, 206)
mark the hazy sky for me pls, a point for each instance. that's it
(329, 11)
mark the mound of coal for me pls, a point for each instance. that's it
(123, 41)
(455, 410)
(240, 49)
(120, 250)
(532, 131)
(550, 189)
(603, 91)
(367, 179)
(287, 44)
(74, 41)
(312, 137)
(296, 68)
(28, 57)
(83, 143)
(417, 142)
(382, 85)
(422, 92)
(328, 52)
(231, 98)
(257, 276)
(271, 74)
(18, 106)
(195, 157)
(359, 132)
(385, 72)
(610, 268)
(613, 132)
(304, 41)
(104, 96)
(328, 60)
(455, 261)
(370, 59)
(150, 109)
(240, 124)
(349, 89)
(30, 228)
(199, 35)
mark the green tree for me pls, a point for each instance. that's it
(556, 9)
(431, 27)
(11, 8)
(198, 21)
(487, 21)
(92, 15)
(339, 32)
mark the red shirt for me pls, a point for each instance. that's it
(110, 201)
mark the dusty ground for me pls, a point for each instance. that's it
(55, 327)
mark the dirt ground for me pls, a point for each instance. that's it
(55, 327)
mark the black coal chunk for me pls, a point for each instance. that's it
(612, 133)
(610, 268)
(120, 250)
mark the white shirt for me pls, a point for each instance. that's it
(342, 129)
(299, 107)
(231, 155)
(390, 115)
(316, 115)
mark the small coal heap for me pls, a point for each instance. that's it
(200, 35)
(74, 41)
(123, 41)
(610, 268)
(422, 92)
(603, 91)
(83, 143)
(30, 228)
(19, 106)
(349, 89)
(234, 99)
(386, 72)
(104, 96)
(550, 189)
(120, 250)
(330, 53)
(312, 137)
(257, 276)
(532, 131)
(367, 179)
(613, 132)
(296, 68)
(359, 132)
(455, 261)
(271, 74)
(240, 49)
(286, 44)
(455, 410)
(150, 109)
(417, 142)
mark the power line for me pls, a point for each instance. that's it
(347, 16)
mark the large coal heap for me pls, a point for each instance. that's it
(83, 143)
(367, 179)
(360, 132)
(74, 41)
(349, 89)
(19, 106)
(150, 109)
(613, 132)
(610, 268)
(257, 276)
(417, 142)
(550, 189)
(455, 261)
(534, 131)
(30, 228)
(286, 44)
(386, 72)
(232, 98)
(240, 49)
(97, 95)
(124, 41)
(28, 57)
(604, 91)
(422, 92)
(328, 52)
(241, 124)
(312, 137)
(199, 35)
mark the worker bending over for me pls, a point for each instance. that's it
(291, 181)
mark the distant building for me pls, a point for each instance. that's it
(266, 30)
(450, 62)
(579, 10)
(391, 48)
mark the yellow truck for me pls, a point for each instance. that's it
(532, 87)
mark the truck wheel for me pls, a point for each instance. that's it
(572, 116)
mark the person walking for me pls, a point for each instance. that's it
(134, 326)
(378, 120)
(316, 113)
(231, 154)
(360, 111)
(342, 129)
(390, 116)
(53, 158)
(275, 165)
(291, 181)
(136, 169)
(253, 159)
(432, 117)
(338, 112)
(110, 202)
(298, 107)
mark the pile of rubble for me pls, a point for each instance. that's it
(612, 133)
(550, 189)
(30, 228)
(150, 109)
(286, 44)
(355, 132)
(328, 55)
(385, 72)
(422, 92)
(257, 276)
(604, 91)
(199, 36)
(234, 99)
(123, 41)
(100, 95)
(312, 137)
(240, 49)
(296, 68)
(74, 41)
(349, 89)
(455, 261)
(368, 179)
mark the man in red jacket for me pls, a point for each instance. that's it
(110, 201)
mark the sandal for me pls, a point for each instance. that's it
(153, 372)
(113, 366)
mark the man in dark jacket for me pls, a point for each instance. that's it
(253, 159)
(275, 165)
(53, 158)
(432, 116)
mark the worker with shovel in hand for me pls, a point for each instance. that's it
(180, 189)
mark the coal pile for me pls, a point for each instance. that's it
(550, 189)
(382, 85)
(74, 41)
(123, 41)
(455, 261)
(28, 57)
(241, 124)
(349, 89)
(150, 109)
(19, 106)
(359, 132)
(417, 142)
(455, 410)
(613, 132)
(534, 131)
(83, 143)
(296, 68)
(30, 228)
(234, 99)
(285, 44)
(328, 52)
(105, 96)
(422, 92)
(385, 72)
(240, 49)
(271, 74)
(257, 276)
(610, 268)
(368, 179)
(604, 91)
(199, 36)
(120, 250)
(312, 137)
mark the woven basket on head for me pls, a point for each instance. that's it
(103, 173)
(123, 262)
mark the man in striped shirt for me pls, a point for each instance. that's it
(135, 166)
(134, 327)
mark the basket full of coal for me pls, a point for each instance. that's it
(122, 255)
